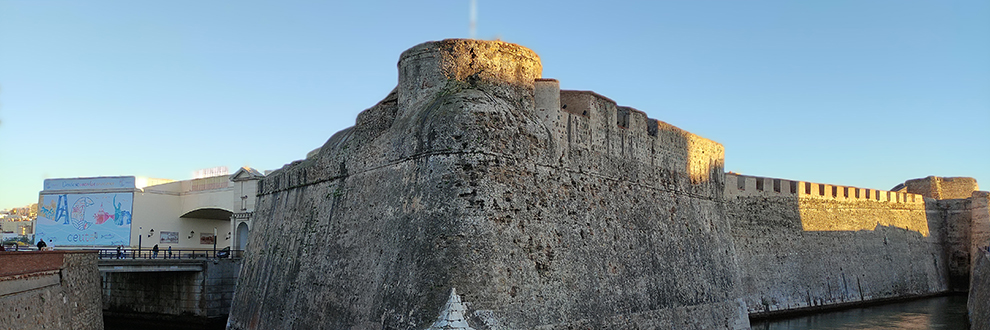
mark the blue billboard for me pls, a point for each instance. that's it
(96, 219)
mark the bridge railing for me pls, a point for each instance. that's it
(166, 254)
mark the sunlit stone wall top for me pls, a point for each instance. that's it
(745, 185)
(427, 68)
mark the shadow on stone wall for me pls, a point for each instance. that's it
(786, 267)
(979, 294)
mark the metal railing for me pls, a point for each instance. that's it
(144, 253)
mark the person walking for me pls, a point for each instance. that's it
(41, 244)
(120, 254)
(154, 252)
(170, 252)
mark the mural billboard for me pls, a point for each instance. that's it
(96, 219)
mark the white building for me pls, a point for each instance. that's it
(105, 212)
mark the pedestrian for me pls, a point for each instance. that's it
(120, 254)
(51, 244)
(170, 252)
(154, 252)
(41, 244)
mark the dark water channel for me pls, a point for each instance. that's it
(948, 313)
(944, 313)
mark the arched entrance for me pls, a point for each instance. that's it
(242, 236)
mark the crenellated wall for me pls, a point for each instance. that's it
(537, 205)
(476, 192)
(806, 245)
(826, 207)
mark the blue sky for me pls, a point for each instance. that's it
(859, 93)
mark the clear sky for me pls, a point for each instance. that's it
(858, 93)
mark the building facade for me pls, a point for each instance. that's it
(131, 212)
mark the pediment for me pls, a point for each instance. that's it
(245, 174)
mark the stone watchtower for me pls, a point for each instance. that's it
(964, 210)
(540, 208)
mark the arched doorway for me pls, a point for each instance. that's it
(242, 236)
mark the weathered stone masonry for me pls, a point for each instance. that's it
(550, 209)
(49, 290)
(803, 244)
(184, 296)
(464, 177)
(979, 293)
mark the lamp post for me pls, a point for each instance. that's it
(139, 242)
(214, 242)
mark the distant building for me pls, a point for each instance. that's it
(128, 211)
(16, 225)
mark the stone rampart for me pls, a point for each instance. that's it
(477, 194)
(586, 215)
(967, 234)
(805, 245)
(979, 293)
(49, 290)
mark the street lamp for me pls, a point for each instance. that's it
(139, 242)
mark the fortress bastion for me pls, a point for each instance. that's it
(478, 195)
(542, 208)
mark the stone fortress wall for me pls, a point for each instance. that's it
(548, 209)
(803, 245)
(50, 290)
(468, 177)
(979, 293)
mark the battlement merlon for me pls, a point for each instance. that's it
(737, 185)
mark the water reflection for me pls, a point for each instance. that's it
(933, 313)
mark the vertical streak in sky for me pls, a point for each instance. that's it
(473, 29)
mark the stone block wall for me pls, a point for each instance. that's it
(979, 293)
(957, 215)
(221, 280)
(49, 290)
(195, 295)
(802, 244)
(979, 234)
(587, 216)
(162, 293)
(549, 209)
(942, 188)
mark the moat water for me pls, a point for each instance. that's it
(944, 313)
